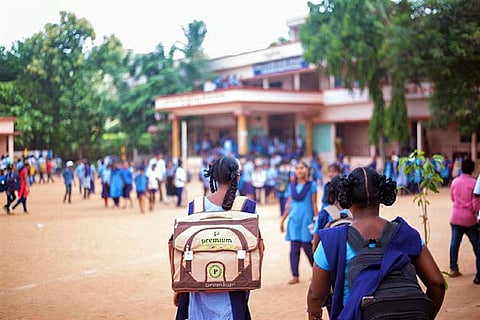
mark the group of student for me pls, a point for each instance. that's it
(14, 182)
(120, 178)
(353, 201)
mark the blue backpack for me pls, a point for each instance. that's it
(13, 181)
(398, 296)
(3, 183)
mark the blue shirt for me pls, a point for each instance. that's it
(141, 182)
(68, 176)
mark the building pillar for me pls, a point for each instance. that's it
(175, 136)
(11, 148)
(296, 81)
(242, 133)
(333, 142)
(419, 136)
(331, 82)
(265, 83)
(309, 136)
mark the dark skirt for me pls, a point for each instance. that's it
(171, 189)
(105, 190)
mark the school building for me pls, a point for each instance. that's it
(274, 92)
(7, 134)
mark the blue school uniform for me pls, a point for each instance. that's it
(300, 215)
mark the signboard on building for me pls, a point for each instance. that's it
(281, 65)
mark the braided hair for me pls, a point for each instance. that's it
(332, 189)
(224, 170)
(365, 187)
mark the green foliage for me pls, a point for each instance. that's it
(447, 44)
(352, 40)
(64, 91)
(430, 179)
(396, 120)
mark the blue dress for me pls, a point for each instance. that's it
(116, 183)
(301, 215)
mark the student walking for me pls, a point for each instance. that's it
(12, 186)
(141, 182)
(224, 175)
(68, 179)
(152, 185)
(23, 190)
(105, 178)
(127, 175)
(116, 183)
(362, 192)
(463, 220)
(301, 209)
(180, 181)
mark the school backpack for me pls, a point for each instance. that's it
(13, 181)
(398, 296)
(282, 181)
(216, 251)
(3, 183)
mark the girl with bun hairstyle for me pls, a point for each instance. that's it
(362, 191)
(223, 174)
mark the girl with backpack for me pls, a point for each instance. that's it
(362, 192)
(224, 174)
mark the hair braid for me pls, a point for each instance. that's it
(225, 171)
(230, 195)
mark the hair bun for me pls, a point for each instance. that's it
(388, 191)
(345, 192)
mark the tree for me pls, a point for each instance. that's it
(182, 69)
(447, 44)
(430, 180)
(63, 90)
(348, 39)
(59, 89)
(194, 64)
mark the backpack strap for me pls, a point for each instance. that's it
(333, 212)
(357, 242)
(199, 204)
(239, 203)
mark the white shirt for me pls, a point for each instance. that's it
(180, 177)
(152, 179)
(161, 169)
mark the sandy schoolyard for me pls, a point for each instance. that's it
(84, 261)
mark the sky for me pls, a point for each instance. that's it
(233, 26)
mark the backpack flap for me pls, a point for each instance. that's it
(217, 231)
(217, 251)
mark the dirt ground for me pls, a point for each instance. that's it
(84, 261)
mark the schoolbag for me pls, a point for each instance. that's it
(3, 183)
(399, 295)
(282, 181)
(216, 251)
(13, 181)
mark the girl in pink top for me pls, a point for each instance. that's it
(463, 220)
